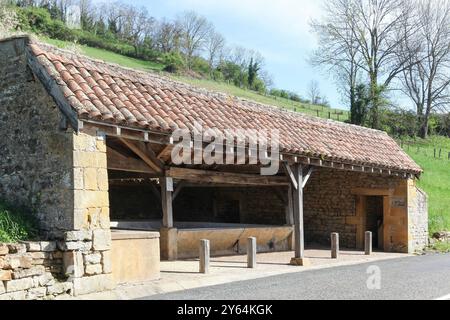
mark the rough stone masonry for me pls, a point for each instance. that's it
(55, 173)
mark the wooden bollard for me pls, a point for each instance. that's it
(335, 245)
(368, 243)
(251, 252)
(204, 256)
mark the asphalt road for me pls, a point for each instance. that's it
(419, 277)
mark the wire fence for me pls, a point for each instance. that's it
(436, 152)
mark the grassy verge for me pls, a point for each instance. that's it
(441, 247)
(15, 225)
(435, 180)
(109, 56)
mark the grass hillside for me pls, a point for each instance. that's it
(435, 180)
(226, 88)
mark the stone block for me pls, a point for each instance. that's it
(5, 275)
(93, 258)
(3, 249)
(36, 293)
(15, 261)
(38, 255)
(32, 246)
(102, 180)
(45, 279)
(2, 262)
(90, 179)
(73, 264)
(82, 159)
(59, 288)
(107, 261)
(101, 239)
(19, 284)
(92, 269)
(75, 245)
(24, 273)
(78, 178)
(104, 221)
(17, 248)
(48, 246)
(2, 288)
(90, 199)
(98, 283)
(80, 235)
(18, 295)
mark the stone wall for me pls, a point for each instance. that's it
(329, 203)
(55, 173)
(32, 270)
(36, 171)
(417, 218)
(88, 245)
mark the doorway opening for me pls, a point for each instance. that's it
(374, 220)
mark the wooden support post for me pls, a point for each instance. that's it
(166, 197)
(335, 245)
(368, 243)
(290, 208)
(299, 241)
(251, 252)
(204, 256)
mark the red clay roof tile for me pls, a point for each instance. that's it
(132, 98)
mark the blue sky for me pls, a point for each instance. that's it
(279, 30)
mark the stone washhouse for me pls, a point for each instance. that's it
(86, 147)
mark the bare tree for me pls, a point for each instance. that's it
(379, 27)
(314, 92)
(167, 36)
(215, 47)
(338, 50)
(427, 82)
(195, 31)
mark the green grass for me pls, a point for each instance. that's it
(226, 88)
(441, 246)
(109, 56)
(435, 180)
(15, 225)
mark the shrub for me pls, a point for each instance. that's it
(15, 225)
(173, 61)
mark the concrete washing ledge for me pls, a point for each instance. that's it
(183, 274)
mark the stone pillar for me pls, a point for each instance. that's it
(368, 243)
(251, 252)
(334, 245)
(204, 256)
(87, 248)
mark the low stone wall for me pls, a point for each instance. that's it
(46, 269)
(31, 271)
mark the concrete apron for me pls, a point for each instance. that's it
(184, 274)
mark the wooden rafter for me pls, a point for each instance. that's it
(224, 177)
(146, 154)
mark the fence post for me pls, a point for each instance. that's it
(335, 245)
(368, 243)
(204, 256)
(251, 252)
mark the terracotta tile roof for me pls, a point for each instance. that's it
(109, 93)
